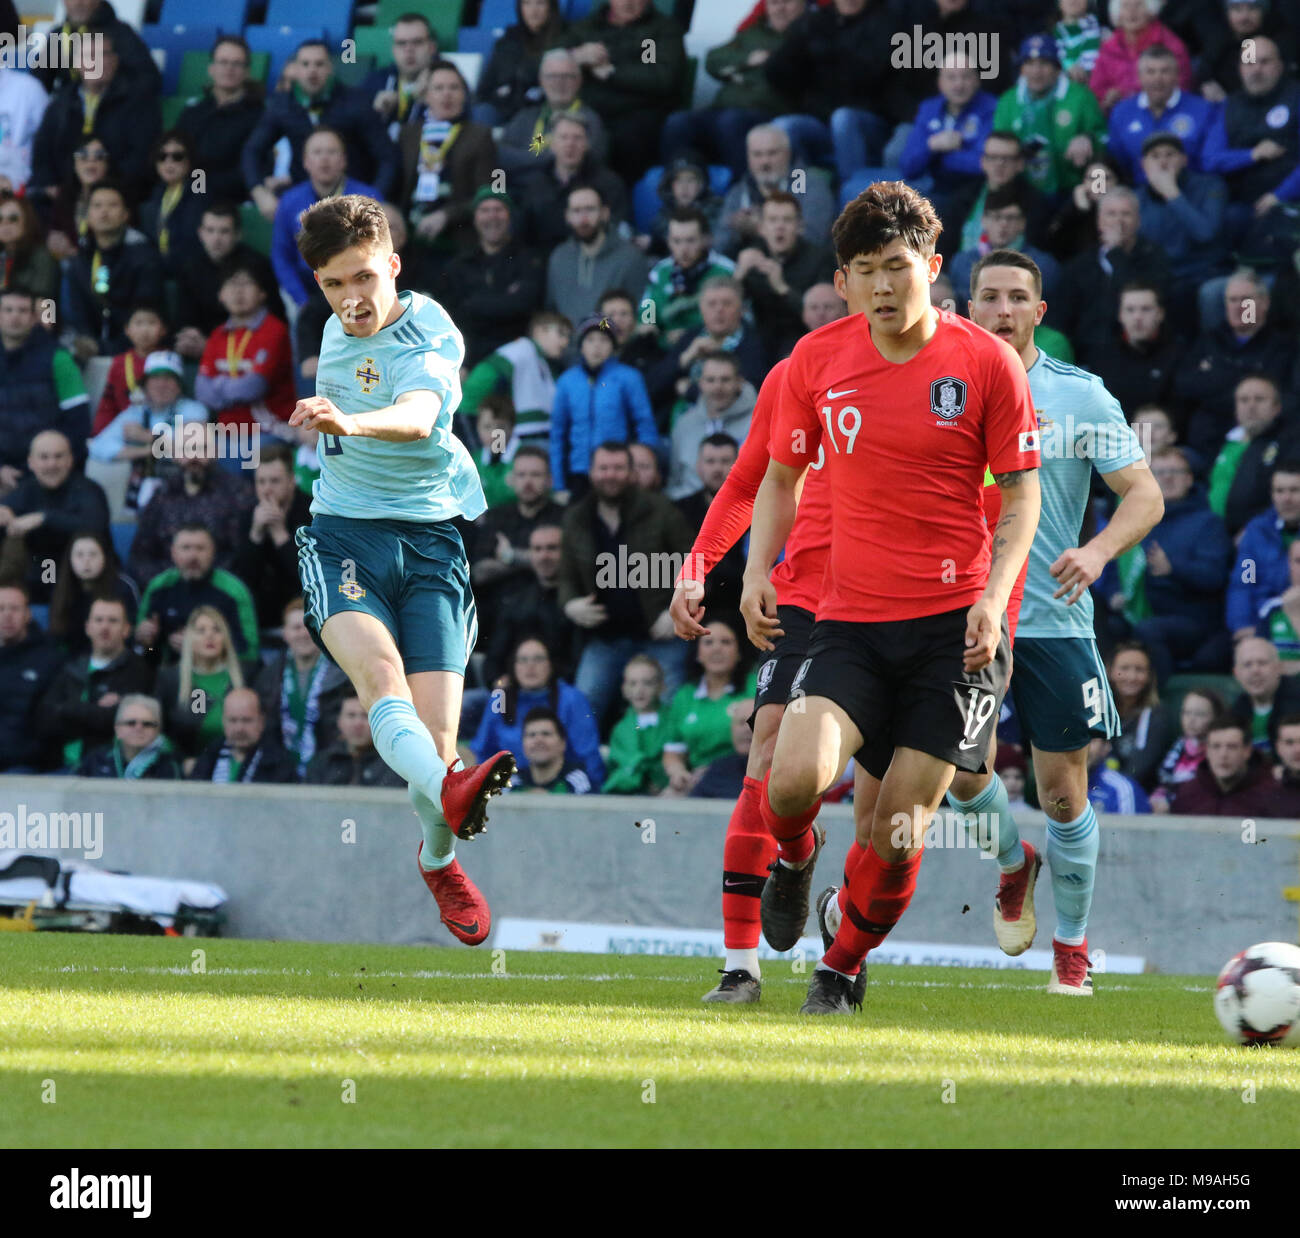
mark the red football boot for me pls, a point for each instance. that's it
(464, 910)
(465, 793)
(1071, 971)
(1013, 909)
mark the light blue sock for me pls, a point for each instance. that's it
(406, 745)
(1072, 855)
(1000, 835)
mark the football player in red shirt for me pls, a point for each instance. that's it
(909, 656)
(749, 850)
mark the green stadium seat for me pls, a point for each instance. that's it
(257, 231)
(172, 108)
(374, 41)
(259, 67)
(1178, 686)
(444, 16)
(194, 74)
(352, 73)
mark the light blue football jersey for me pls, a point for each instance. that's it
(428, 480)
(1080, 427)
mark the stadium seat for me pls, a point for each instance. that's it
(233, 13)
(256, 229)
(495, 15)
(95, 375)
(576, 10)
(376, 41)
(645, 195)
(123, 532)
(444, 16)
(194, 74)
(279, 42)
(1178, 686)
(714, 22)
(470, 64)
(113, 477)
(174, 42)
(172, 107)
(478, 39)
(334, 15)
(353, 72)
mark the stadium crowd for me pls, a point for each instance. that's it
(625, 269)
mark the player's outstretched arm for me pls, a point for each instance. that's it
(407, 420)
(774, 512)
(1141, 508)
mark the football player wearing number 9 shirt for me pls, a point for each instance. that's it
(909, 657)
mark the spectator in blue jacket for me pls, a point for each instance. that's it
(1171, 585)
(1108, 789)
(944, 146)
(531, 683)
(1159, 107)
(597, 400)
(1183, 211)
(324, 156)
(316, 99)
(1261, 571)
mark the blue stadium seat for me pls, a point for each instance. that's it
(576, 10)
(495, 14)
(123, 532)
(334, 15)
(481, 39)
(233, 13)
(645, 196)
(279, 42)
(174, 42)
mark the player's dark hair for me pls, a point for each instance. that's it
(540, 714)
(882, 213)
(720, 439)
(1224, 722)
(690, 215)
(510, 693)
(1006, 258)
(334, 225)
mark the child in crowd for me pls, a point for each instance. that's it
(636, 745)
(1200, 707)
(146, 330)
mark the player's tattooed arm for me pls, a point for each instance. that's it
(1015, 530)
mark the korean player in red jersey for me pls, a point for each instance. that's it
(749, 850)
(909, 657)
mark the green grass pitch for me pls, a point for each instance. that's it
(118, 1042)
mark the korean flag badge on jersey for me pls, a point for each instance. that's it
(1029, 440)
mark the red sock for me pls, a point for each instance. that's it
(880, 895)
(794, 836)
(746, 852)
(851, 862)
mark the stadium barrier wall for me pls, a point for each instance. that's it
(1184, 893)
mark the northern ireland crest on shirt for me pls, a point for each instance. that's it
(948, 398)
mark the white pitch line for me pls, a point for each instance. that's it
(550, 977)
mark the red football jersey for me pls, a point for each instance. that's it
(798, 577)
(905, 451)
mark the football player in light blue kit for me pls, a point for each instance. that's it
(383, 570)
(1058, 682)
